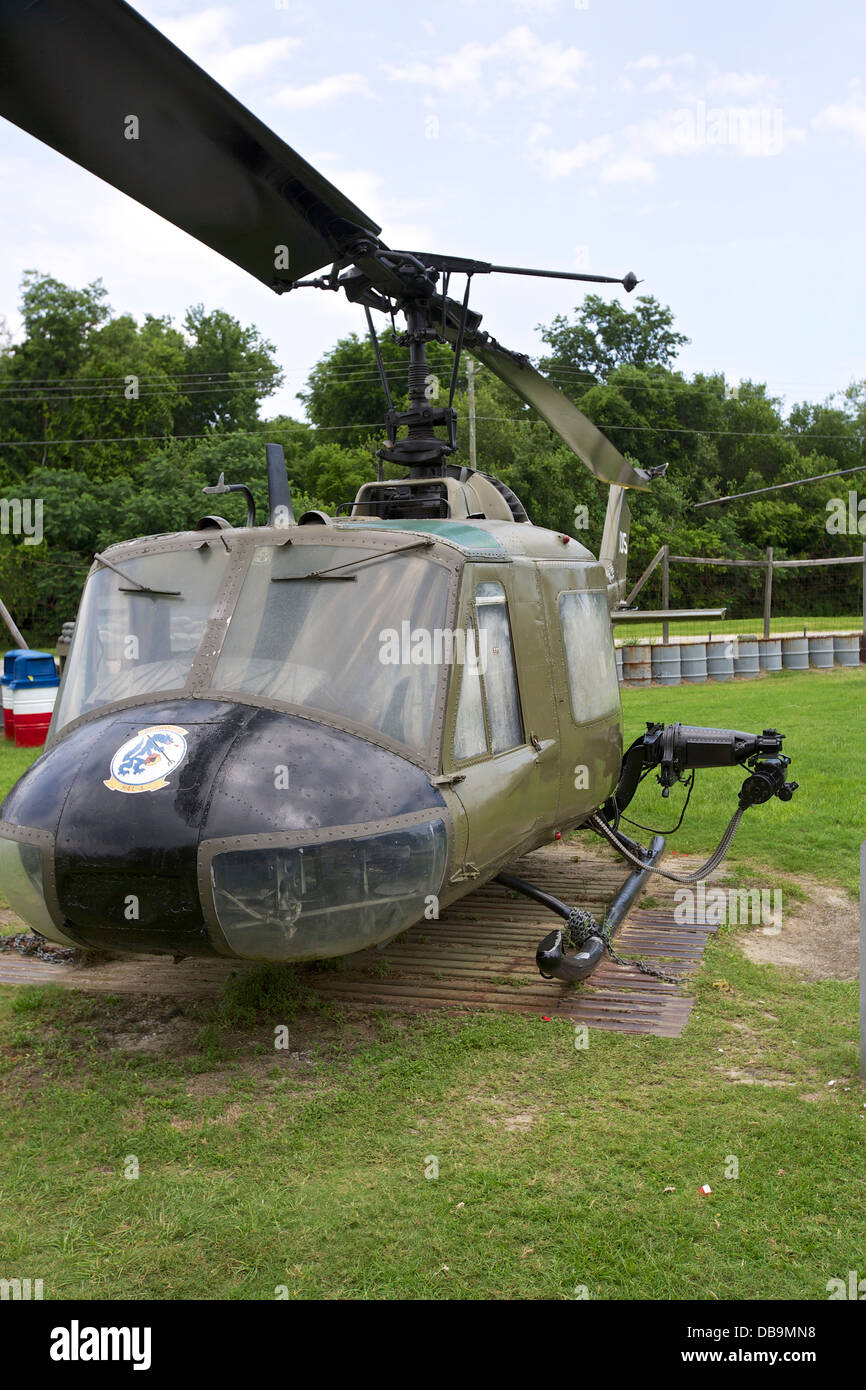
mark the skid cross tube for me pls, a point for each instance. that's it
(552, 957)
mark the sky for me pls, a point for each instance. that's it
(716, 151)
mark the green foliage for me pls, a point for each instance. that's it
(344, 392)
(231, 370)
(82, 373)
(606, 335)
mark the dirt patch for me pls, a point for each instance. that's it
(509, 1112)
(231, 1116)
(517, 1124)
(148, 1024)
(157, 1035)
(747, 1078)
(820, 938)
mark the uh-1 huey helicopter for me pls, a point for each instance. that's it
(283, 741)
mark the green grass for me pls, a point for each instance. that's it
(256, 1170)
(305, 1167)
(821, 714)
(13, 762)
(698, 631)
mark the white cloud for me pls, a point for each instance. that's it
(528, 65)
(660, 135)
(539, 130)
(754, 130)
(663, 83)
(742, 84)
(668, 73)
(405, 221)
(323, 92)
(205, 37)
(249, 60)
(651, 62)
(848, 117)
(558, 163)
(198, 33)
(629, 168)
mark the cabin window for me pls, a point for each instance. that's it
(488, 710)
(130, 640)
(343, 630)
(588, 641)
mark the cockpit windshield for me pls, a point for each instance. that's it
(139, 627)
(342, 629)
(340, 642)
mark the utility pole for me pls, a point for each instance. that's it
(470, 377)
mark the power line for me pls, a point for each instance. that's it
(166, 438)
(163, 376)
(378, 426)
(119, 397)
(367, 372)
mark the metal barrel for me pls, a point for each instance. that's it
(720, 660)
(846, 648)
(636, 664)
(770, 653)
(795, 653)
(821, 653)
(693, 660)
(618, 655)
(666, 667)
(746, 657)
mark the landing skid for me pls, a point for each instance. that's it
(552, 956)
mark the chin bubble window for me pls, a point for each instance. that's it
(21, 881)
(311, 901)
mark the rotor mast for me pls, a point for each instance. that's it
(371, 274)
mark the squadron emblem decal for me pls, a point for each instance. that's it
(144, 762)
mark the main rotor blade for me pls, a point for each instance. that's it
(593, 448)
(95, 81)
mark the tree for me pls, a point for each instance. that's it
(81, 373)
(344, 395)
(229, 371)
(604, 336)
(58, 322)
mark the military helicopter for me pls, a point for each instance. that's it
(285, 740)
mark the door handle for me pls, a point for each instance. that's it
(541, 745)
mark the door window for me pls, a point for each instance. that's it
(488, 711)
(589, 655)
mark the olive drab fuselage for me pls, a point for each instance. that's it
(310, 738)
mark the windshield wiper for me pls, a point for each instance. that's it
(139, 587)
(329, 572)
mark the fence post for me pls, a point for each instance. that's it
(768, 592)
(863, 633)
(666, 589)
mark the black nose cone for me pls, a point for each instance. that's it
(129, 798)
